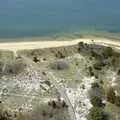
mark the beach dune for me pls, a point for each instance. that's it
(15, 46)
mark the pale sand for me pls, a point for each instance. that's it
(15, 46)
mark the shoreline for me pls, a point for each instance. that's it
(29, 45)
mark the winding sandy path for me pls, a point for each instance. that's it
(14, 46)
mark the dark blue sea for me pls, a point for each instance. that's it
(39, 18)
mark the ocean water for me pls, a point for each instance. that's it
(36, 18)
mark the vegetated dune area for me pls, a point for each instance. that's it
(60, 80)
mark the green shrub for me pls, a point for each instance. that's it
(60, 54)
(95, 55)
(115, 62)
(111, 96)
(108, 52)
(118, 72)
(96, 101)
(80, 46)
(5, 116)
(99, 64)
(60, 65)
(91, 71)
(15, 67)
(90, 68)
(35, 59)
(95, 85)
(1, 66)
(96, 90)
(97, 114)
(117, 101)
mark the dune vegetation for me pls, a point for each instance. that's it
(70, 82)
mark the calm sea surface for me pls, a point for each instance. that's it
(34, 18)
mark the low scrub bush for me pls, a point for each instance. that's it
(97, 113)
(118, 72)
(15, 67)
(117, 101)
(60, 65)
(4, 115)
(96, 101)
(95, 85)
(99, 64)
(60, 54)
(96, 90)
(111, 96)
(1, 66)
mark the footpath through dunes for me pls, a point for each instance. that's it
(14, 46)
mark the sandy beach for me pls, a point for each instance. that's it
(15, 46)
